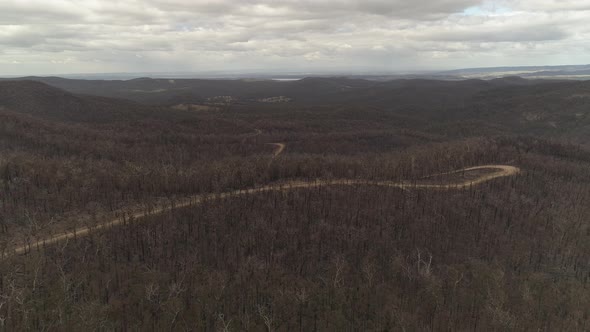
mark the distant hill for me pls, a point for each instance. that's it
(45, 101)
(539, 72)
(169, 92)
(514, 104)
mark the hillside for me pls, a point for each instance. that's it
(308, 90)
(553, 109)
(342, 205)
(581, 72)
(44, 101)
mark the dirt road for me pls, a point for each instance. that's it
(500, 171)
(257, 132)
(279, 148)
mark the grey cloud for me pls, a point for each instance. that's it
(178, 34)
(548, 5)
(500, 34)
(417, 9)
(392, 8)
(19, 12)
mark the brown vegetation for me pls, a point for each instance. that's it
(507, 254)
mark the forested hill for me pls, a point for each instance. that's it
(45, 101)
(317, 205)
(310, 90)
(554, 109)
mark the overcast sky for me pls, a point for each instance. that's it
(98, 36)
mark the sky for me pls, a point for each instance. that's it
(43, 37)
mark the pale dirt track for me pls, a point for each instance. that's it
(279, 148)
(257, 132)
(501, 171)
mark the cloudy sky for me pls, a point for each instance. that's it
(106, 36)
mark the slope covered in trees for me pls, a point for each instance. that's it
(47, 102)
(507, 254)
(556, 109)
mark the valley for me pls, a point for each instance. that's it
(315, 204)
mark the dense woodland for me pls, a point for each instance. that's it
(509, 254)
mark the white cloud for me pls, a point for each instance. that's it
(61, 36)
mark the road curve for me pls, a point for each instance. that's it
(257, 132)
(500, 171)
(279, 148)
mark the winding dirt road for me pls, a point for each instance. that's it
(279, 148)
(257, 132)
(500, 171)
